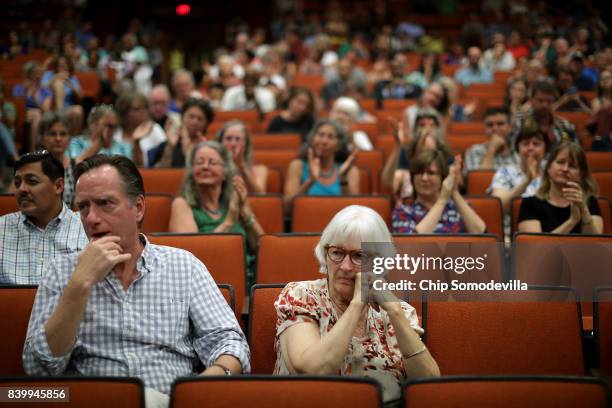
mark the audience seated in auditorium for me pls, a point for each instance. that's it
(297, 116)
(438, 207)
(66, 88)
(523, 179)
(345, 111)
(324, 326)
(427, 72)
(54, 137)
(476, 72)
(435, 97)
(196, 115)
(498, 58)
(565, 202)
(496, 152)
(569, 100)
(604, 90)
(43, 228)
(183, 86)
(37, 98)
(339, 79)
(541, 115)
(160, 109)
(249, 95)
(70, 332)
(236, 138)
(398, 87)
(324, 166)
(213, 197)
(516, 97)
(137, 129)
(102, 123)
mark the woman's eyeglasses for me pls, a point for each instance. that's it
(337, 254)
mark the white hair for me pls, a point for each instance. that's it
(354, 223)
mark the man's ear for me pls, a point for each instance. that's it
(139, 204)
(59, 186)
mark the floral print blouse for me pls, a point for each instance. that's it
(375, 355)
(405, 219)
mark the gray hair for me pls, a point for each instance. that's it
(341, 134)
(248, 148)
(190, 191)
(354, 222)
(182, 71)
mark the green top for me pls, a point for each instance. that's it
(206, 223)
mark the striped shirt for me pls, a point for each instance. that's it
(167, 321)
(25, 249)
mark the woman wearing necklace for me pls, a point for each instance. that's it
(324, 326)
(213, 198)
(323, 168)
(565, 202)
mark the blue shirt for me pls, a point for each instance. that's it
(170, 318)
(467, 76)
(26, 250)
(318, 188)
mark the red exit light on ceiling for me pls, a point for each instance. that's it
(183, 9)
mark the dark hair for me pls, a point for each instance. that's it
(435, 69)
(444, 103)
(529, 131)
(426, 158)
(132, 180)
(200, 104)
(496, 110)
(51, 167)
(124, 104)
(543, 86)
(343, 151)
(510, 85)
(298, 90)
(48, 120)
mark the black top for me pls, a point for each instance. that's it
(550, 216)
(279, 125)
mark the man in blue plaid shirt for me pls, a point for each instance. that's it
(126, 307)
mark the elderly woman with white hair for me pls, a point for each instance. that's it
(324, 326)
(345, 111)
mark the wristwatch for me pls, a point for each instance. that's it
(224, 368)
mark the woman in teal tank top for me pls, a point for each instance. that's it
(325, 167)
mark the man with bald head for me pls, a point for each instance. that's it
(160, 108)
(475, 72)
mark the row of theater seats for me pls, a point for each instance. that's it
(538, 331)
(370, 164)
(313, 213)
(528, 262)
(332, 392)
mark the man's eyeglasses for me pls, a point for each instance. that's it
(337, 254)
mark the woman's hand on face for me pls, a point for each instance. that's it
(399, 130)
(142, 130)
(314, 164)
(358, 295)
(348, 163)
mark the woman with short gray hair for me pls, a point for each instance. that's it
(326, 326)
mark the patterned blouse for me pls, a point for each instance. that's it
(375, 355)
(405, 218)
